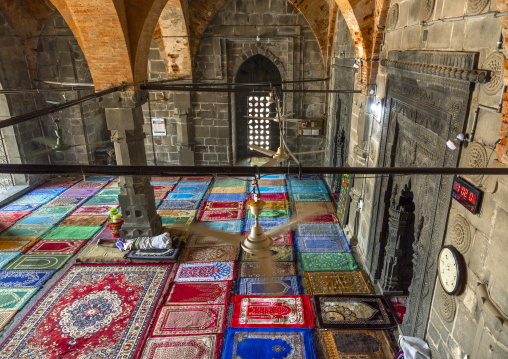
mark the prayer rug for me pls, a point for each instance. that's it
(12, 216)
(311, 262)
(354, 312)
(15, 245)
(274, 205)
(34, 199)
(91, 184)
(322, 218)
(310, 197)
(187, 347)
(279, 254)
(207, 254)
(225, 226)
(56, 246)
(154, 255)
(205, 272)
(274, 196)
(197, 179)
(229, 183)
(15, 298)
(20, 208)
(100, 178)
(179, 205)
(220, 215)
(39, 220)
(50, 210)
(269, 183)
(285, 239)
(166, 179)
(178, 196)
(265, 223)
(217, 206)
(5, 225)
(176, 221)
(109, 192)
(191, 187)
(18, 231)
(400, 305)
(318, 230)
(268, 176)
(113, 184)
(270, 189)
(273, 343)
(226, 197)
(5, 317)
(317, 207)
(303, 177)
(234, 189)
(77, 220)
(189, 319)
(353, 344)
(160, 194)
(176, 213)
(270, 213)
(96, 210)
(306, 244)
(24, 278)
(102, 200)
(100, 254)
(287, 285)
(163, 183)
(67, 201)
(198, 293)
(290, 311)
(119, 302)
(349, 282)
(253, 269)
(39, 261)
(72, 232)
(80, 192)
(307, 183)
(6, 257)
(308, 189)
(203, 241)
(44, 191)
(163, 188)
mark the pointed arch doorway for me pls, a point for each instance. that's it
(263, 133)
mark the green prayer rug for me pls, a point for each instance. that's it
(19, 231)
(229, 183)
(48, 210)
(72, 232)
(15, 298)
(39, 261)
(102, 200)
(108, 192)
(311, 262)
(270, 213)
(176, 221)
(310, 197)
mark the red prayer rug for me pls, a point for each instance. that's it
(96, 210)
(285, 239)
(6, 225)
(198, 293)
(187, 347)
(322, 218)
(168, 179)
(93, 311)
(163, 187)
(197, 179)
(220, 215)
(214, 206)
(288, 311)
(6, 217)
(57, 246)
(190, 319)
(274, 196)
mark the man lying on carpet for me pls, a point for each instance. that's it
(162, 241)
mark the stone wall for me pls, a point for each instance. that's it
(460, 325)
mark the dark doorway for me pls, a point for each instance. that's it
(262, 133)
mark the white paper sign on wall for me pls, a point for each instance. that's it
(159, 126)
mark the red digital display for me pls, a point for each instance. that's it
(466, 195)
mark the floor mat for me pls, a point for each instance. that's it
(207, 254)
(328, 262)
(56, 246)
(347, 282)
(205, 272)
(198, 293)
(183, 347)
(287, 285)
(39, 261)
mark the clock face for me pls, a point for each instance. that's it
(450, 273)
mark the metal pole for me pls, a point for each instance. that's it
(245, 89)
(240, 171)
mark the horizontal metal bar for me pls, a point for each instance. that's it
(44, 90)
(240, 170)
(253, 89)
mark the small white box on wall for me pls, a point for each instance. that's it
(159, 126)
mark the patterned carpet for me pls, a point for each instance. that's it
(213, 295)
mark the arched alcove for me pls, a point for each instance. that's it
(263, 133)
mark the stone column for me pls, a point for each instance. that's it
(124, 119)
(185, 133)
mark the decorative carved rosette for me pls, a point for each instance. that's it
(475, 157)
(494, 63)
(447, 305)
(476, 6)
(426, 9)
(460, 233)
(393, 16)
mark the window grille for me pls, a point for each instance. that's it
(259, 129)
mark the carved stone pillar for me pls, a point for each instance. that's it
(400, 221)
(124, 119)
(185, 133)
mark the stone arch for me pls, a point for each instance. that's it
(258, 50)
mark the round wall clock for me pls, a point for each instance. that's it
(451, 269)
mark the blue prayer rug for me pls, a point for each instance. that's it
(225, 226)
(34, 199)
(265, 223)
(46, 191)
(184, 196)
(304, 177)
(226, 197)
(191, 187)
(310, 197)
(20, 207)
(181, 205)
(311, 244)
(272, 343)
(286, 285)
(39, 220)
(267, 176)
(6, 257)
(309, 189)
(318, 230)
(100, 178)
(23, 278)
(270, 189)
